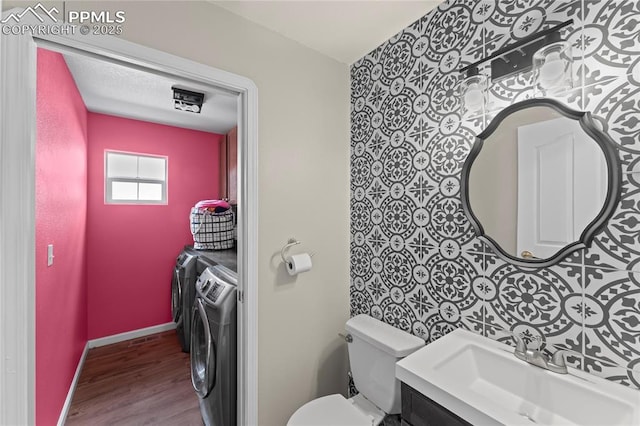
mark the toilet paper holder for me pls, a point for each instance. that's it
(290, 243)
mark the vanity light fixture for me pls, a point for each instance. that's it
(544, 51)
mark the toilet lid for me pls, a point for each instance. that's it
(333, 410)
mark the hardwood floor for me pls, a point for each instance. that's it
(142, 381)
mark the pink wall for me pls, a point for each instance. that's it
(131, 249)
(61, 207)
(95, 288)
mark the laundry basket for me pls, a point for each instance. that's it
(212, 231)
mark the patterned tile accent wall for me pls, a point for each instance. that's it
(415, 262)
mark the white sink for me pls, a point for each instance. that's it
(481, 380)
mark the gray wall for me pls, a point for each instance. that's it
(415, 261)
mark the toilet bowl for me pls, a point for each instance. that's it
(336, 410)
(374, 349)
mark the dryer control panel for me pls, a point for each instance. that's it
(184, 259)
(214, 286)
(212, 290)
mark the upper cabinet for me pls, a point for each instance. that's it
(229, 166)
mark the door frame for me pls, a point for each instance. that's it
(17, 210)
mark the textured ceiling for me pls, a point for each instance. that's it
(115, 89)
(343, 30)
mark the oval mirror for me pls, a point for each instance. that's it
(540, 181)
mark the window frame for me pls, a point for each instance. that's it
(108, 195)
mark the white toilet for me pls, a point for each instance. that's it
(373, 353)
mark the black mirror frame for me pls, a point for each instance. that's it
(614, 174)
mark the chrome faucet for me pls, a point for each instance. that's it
(536, 357)
(521, 347)
(558, 363)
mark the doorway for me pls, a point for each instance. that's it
(18, 218)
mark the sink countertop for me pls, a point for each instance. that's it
(408, 371)
(510, 391)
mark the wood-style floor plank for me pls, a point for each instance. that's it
(143, 381)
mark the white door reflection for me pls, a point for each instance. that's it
(561, 185)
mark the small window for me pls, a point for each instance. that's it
(135, 179)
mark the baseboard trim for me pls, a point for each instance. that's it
(134, 334)
(72, 388)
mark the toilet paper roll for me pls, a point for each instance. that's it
(298, 263)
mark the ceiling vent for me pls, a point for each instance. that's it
(186, 100)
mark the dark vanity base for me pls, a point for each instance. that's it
(418, 410)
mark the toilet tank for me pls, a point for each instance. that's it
(373, 353)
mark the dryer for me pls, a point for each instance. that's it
(186, 273)
(213, 345)
(184, 277)
(205, 260)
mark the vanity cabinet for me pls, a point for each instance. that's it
(418, 410)
(229, 167)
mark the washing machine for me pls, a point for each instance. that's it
(213, 345)
(182, 293)
(206, 259)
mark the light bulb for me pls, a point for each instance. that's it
(552, 70)
(473, 97)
